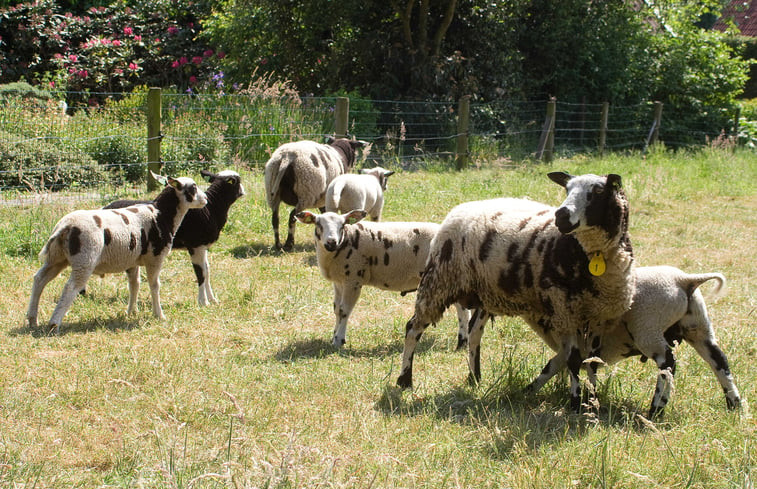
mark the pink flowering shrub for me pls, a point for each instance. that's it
(105, 49)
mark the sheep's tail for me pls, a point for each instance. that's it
(692, 282)
(275, 170)
(59, 236)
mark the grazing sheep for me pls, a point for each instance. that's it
(564, 270)
(202, 227)
(667, 308)
(365, 191)
(108, 241)
(387, 255)
(299, 173)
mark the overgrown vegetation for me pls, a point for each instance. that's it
(249, 393)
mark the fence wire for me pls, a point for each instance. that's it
(101, 151)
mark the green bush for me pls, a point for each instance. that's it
(33, 164)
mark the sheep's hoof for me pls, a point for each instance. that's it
(32, 321)
(53, 329)
(733, 404)
(338, 342)
(405, 380)
(461, 342)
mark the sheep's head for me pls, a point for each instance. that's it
(593, 201)
(186, 190)
(381, 174)
(225, 179)
(329, 226)
(347, 147)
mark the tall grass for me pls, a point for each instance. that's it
(249, 393)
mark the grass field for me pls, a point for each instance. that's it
(249, 393)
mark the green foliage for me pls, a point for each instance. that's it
(35, 164)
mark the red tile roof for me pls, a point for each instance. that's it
(744, 16)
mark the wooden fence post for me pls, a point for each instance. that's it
(603, 126)
(547, 140)
(153, 136)
(463, 121)
(341, 117)
(654, 131)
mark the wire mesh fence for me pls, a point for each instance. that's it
(102, 150)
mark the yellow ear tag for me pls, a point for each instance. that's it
(597, 264)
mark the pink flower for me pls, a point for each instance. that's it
(105, 42)
(221, 55)
(173, 30)
(192, 79)
(175, 64)
(207, 53)
(51, 84)
(116, 43)
(138, 38)
(264, 61)
(197, 60)
(183, 60)
(73, 58)
(133, 66)
(82, 73)
(119, 71)
(128, 31)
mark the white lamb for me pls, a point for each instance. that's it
(565, 271)
(365, 191)
(668, 307)
(387, 255)
(108, 241)
(299, 173)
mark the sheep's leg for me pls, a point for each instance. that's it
(289, 244)
(413, 332)
(667, 364)
(463, 320)
(133, 275)
(574, 367)
(477, 323)
(44, 275)
(275, 223)
(75, 284)
(199, 257)
(714, 356)
(345, 298)
(554, 365)
(153, 279)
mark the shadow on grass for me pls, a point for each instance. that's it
(320, 348)
(260, 249)
(113, 324)
(505, 418)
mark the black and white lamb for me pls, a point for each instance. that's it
(668, 307)
(299, 173)
(386, 255)
(201, 228)
(109, 241)
(365, 191)
(565, 271)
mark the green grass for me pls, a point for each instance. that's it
(249, 393)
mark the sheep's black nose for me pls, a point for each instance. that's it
(330, 245)
(562, 220)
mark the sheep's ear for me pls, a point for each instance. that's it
(306, 217)
(329, 140)
(159, 178)
(356, 143)
(388, 173)
(174, 183)
(560, 177)
(353, 217)
(207, 175)
(614, 181)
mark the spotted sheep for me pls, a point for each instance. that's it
(114, 240)
(365, 191)
(353, 254)
(565, 271)
(299, 173)
(201, 228)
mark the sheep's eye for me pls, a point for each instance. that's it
(598, 189)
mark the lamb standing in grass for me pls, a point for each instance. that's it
(668, 307)
(565, 271)
(202, 227)
(108, 241)
(352, 254)
(365, 191)
(299, 173)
